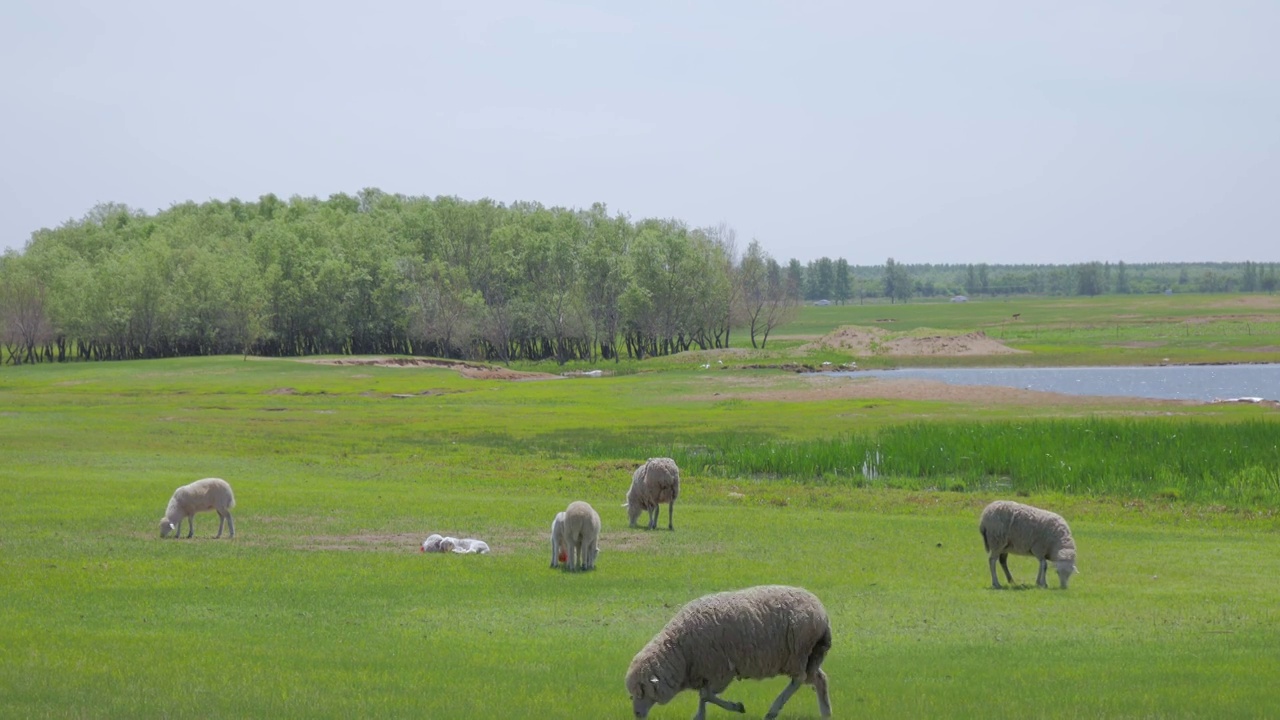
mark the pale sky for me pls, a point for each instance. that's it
(939, 131)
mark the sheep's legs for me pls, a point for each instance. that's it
(653, 517)
(995, 580)
(225, 516)
(824, 699)
(191, 525)
(1040, 580)
(706, 696)
(783, 697)
(1004, 563)
(671, 507)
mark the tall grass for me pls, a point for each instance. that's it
(1236, 464)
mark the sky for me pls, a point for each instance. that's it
(930, 132)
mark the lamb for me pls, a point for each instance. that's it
(199, 496)
(655, 482)
(1010, 527)
(465, 546)
(581, 535)
(559, 548)
(756, 633)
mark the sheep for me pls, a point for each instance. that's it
(655, 482)
(1010, 527)
(559, 548)
(466, 546)
(757, 633)
(199, 496)
(581, 535)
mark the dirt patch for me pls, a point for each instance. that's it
(1206, 319)
(363, 542)
(501, 541)
(874, 341)
(822, 387)
(475, 371)
(1251, 301)
(281, 391)
(1137, 344)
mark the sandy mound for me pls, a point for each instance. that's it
(475, 371)
(874, 341)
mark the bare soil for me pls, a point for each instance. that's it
(874, 341)
(1251, 301)
(475, 371)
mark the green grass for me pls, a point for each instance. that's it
(322, 608)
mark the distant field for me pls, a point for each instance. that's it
(322, 608)
(1105, 330)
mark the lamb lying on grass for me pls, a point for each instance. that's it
(653, 483)
(1010, 527)
(199, 496)
(466, 546)
(756, 633)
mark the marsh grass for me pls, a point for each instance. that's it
(1208, 462)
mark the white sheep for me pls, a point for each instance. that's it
(465, 546)
(559, 547)
(199, 496)
(653, 483)
(756, 633)
(1010, 527)
(581, 535)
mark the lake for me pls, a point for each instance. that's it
(1166, 382)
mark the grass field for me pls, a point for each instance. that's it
(321, 606)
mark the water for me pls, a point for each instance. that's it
(1165, 382)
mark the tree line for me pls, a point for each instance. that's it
(900, 282)
(380, 273)
(375, 273)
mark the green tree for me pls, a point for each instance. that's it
(843, 283)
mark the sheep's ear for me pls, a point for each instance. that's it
(654, 679)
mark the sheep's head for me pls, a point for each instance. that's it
(633, 511)
(643, 690)
(166, 527)
(648, 684)
(1066, 565)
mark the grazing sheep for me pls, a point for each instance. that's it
(653, 483)
(199, 496)
(559, 548)
(1010, 527)
(581, 535)
(466, 546)
(756, 633)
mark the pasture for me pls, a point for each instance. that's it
(321, 606)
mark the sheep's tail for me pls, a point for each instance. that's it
(231, 498)
(985, 545)
(818, 654)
